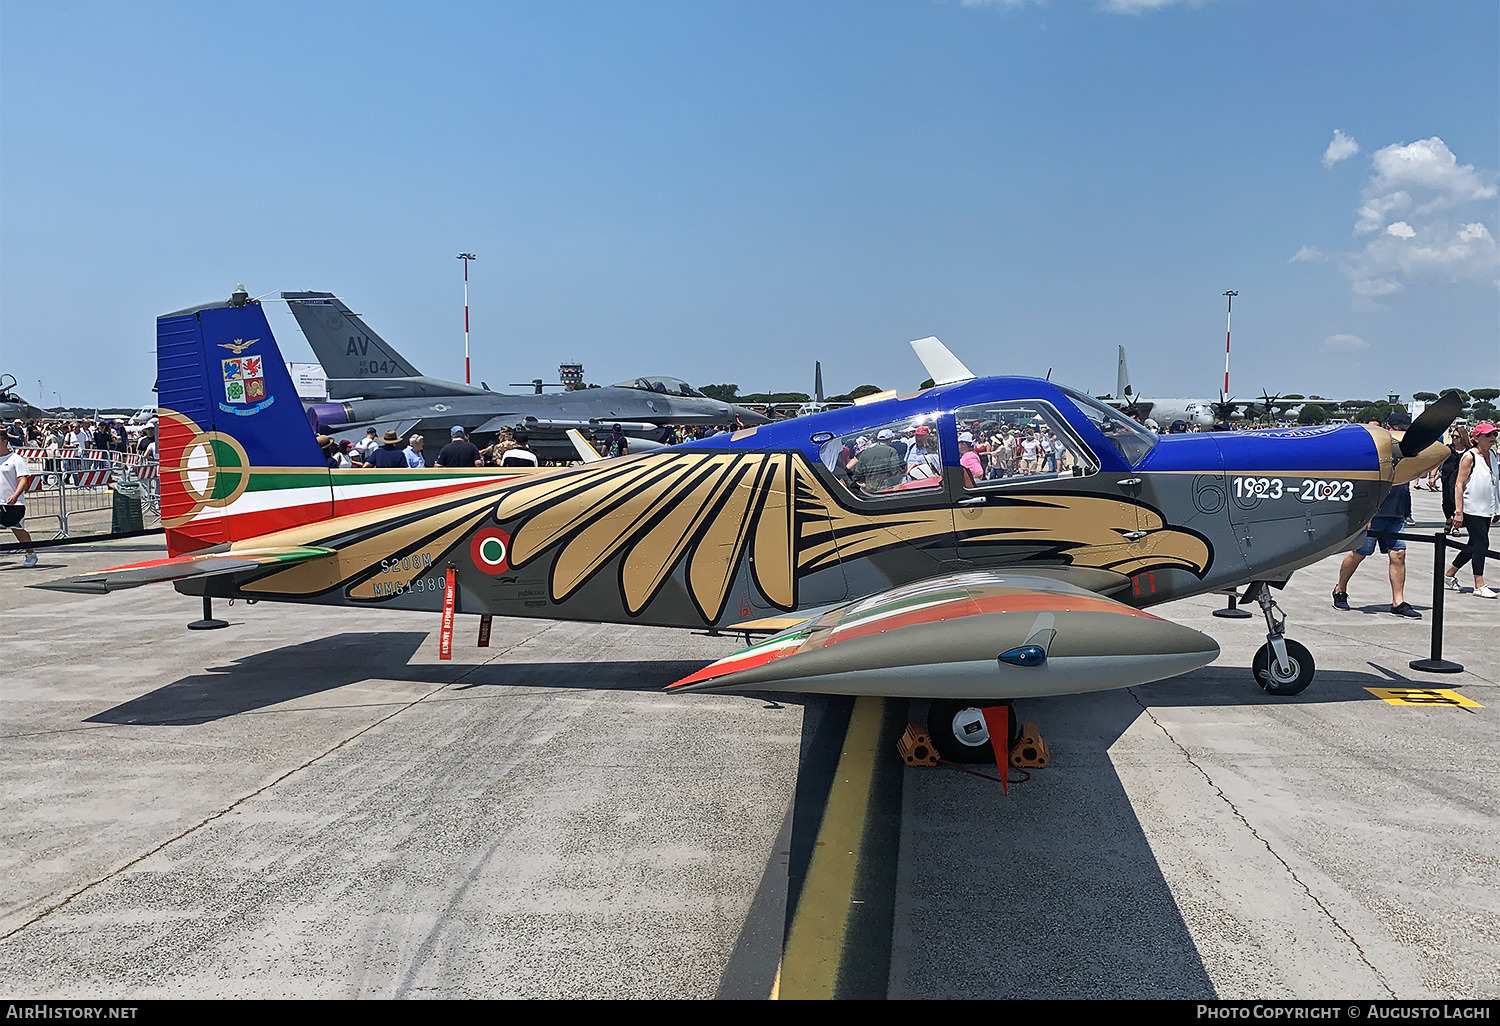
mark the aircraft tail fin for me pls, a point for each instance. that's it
(1122, 378)
(227, 405)
(818, 381)
(941, 364)
(342, 342)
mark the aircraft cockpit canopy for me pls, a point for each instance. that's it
(663, 386)
(1131, 439)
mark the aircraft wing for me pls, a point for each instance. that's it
(975, 635)
(181, 568)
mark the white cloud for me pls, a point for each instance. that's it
(1346, 343)
(1141, 6)
(1341, 148)
(1411, 217)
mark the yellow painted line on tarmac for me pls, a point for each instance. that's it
(1424, 696)
(815, 944)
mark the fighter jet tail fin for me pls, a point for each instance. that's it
(342, 342)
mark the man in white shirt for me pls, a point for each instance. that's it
(15, 476)
(367, 445)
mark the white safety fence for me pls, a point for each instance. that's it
(70, 482)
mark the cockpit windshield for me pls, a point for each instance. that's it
(663, 386)
(1131, 439)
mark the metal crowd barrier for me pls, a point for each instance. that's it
(72, 482)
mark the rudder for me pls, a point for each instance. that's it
(227, 405)
(342, 342)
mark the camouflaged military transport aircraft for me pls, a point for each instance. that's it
(878, 575)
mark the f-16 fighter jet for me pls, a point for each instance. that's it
(372, 385)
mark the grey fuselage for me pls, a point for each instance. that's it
(370, 384)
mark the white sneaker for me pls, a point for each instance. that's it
(1486, 592)
(30, 559)
(1450, 583)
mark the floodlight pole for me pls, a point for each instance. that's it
(466, 257)
(1228, 320)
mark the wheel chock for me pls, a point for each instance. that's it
(1029, 751)
(916, 747)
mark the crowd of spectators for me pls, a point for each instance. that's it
(82, 436)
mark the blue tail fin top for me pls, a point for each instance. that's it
(219, 366)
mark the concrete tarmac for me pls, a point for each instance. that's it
(309, 803)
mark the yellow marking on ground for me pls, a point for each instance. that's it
(776, 984)
(1423, 696)
(815, 944)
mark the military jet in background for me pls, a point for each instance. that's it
(372, 385)
(13, 406)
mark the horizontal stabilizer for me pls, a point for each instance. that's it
(942, 366)
(181, 568)
(977, 635)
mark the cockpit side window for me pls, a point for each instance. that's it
(1008, 442)
(889, 459)
(1131, 439)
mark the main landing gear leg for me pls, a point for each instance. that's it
(1281, 666)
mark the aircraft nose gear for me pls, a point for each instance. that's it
(1281, 666)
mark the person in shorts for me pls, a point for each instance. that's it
(15, 478)
(1388, 521)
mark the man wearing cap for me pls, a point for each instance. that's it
(460, 452)
(1388, 521)
(876, 468)
(520, 455)
(366, 446)
(414, 458)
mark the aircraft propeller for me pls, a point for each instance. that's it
(1422, 448)
(1224, 408)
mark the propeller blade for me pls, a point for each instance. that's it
(1409, 468)
(1429, 427)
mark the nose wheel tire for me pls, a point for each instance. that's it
(1272, 680)
(958, 731)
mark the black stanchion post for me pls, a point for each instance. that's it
(1437, 664)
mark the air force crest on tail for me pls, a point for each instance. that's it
(244, 384)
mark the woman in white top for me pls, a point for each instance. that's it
(1477, 505)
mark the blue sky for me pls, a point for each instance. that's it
(728, 191)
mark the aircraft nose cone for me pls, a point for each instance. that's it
(750, 418)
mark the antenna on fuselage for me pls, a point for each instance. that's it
(942, 366)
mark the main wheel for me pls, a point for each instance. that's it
(1271, 680)
(958, 731)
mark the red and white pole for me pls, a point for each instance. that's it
(1228, 320)
(466, 257)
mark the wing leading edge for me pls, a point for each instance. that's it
(978, 635)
